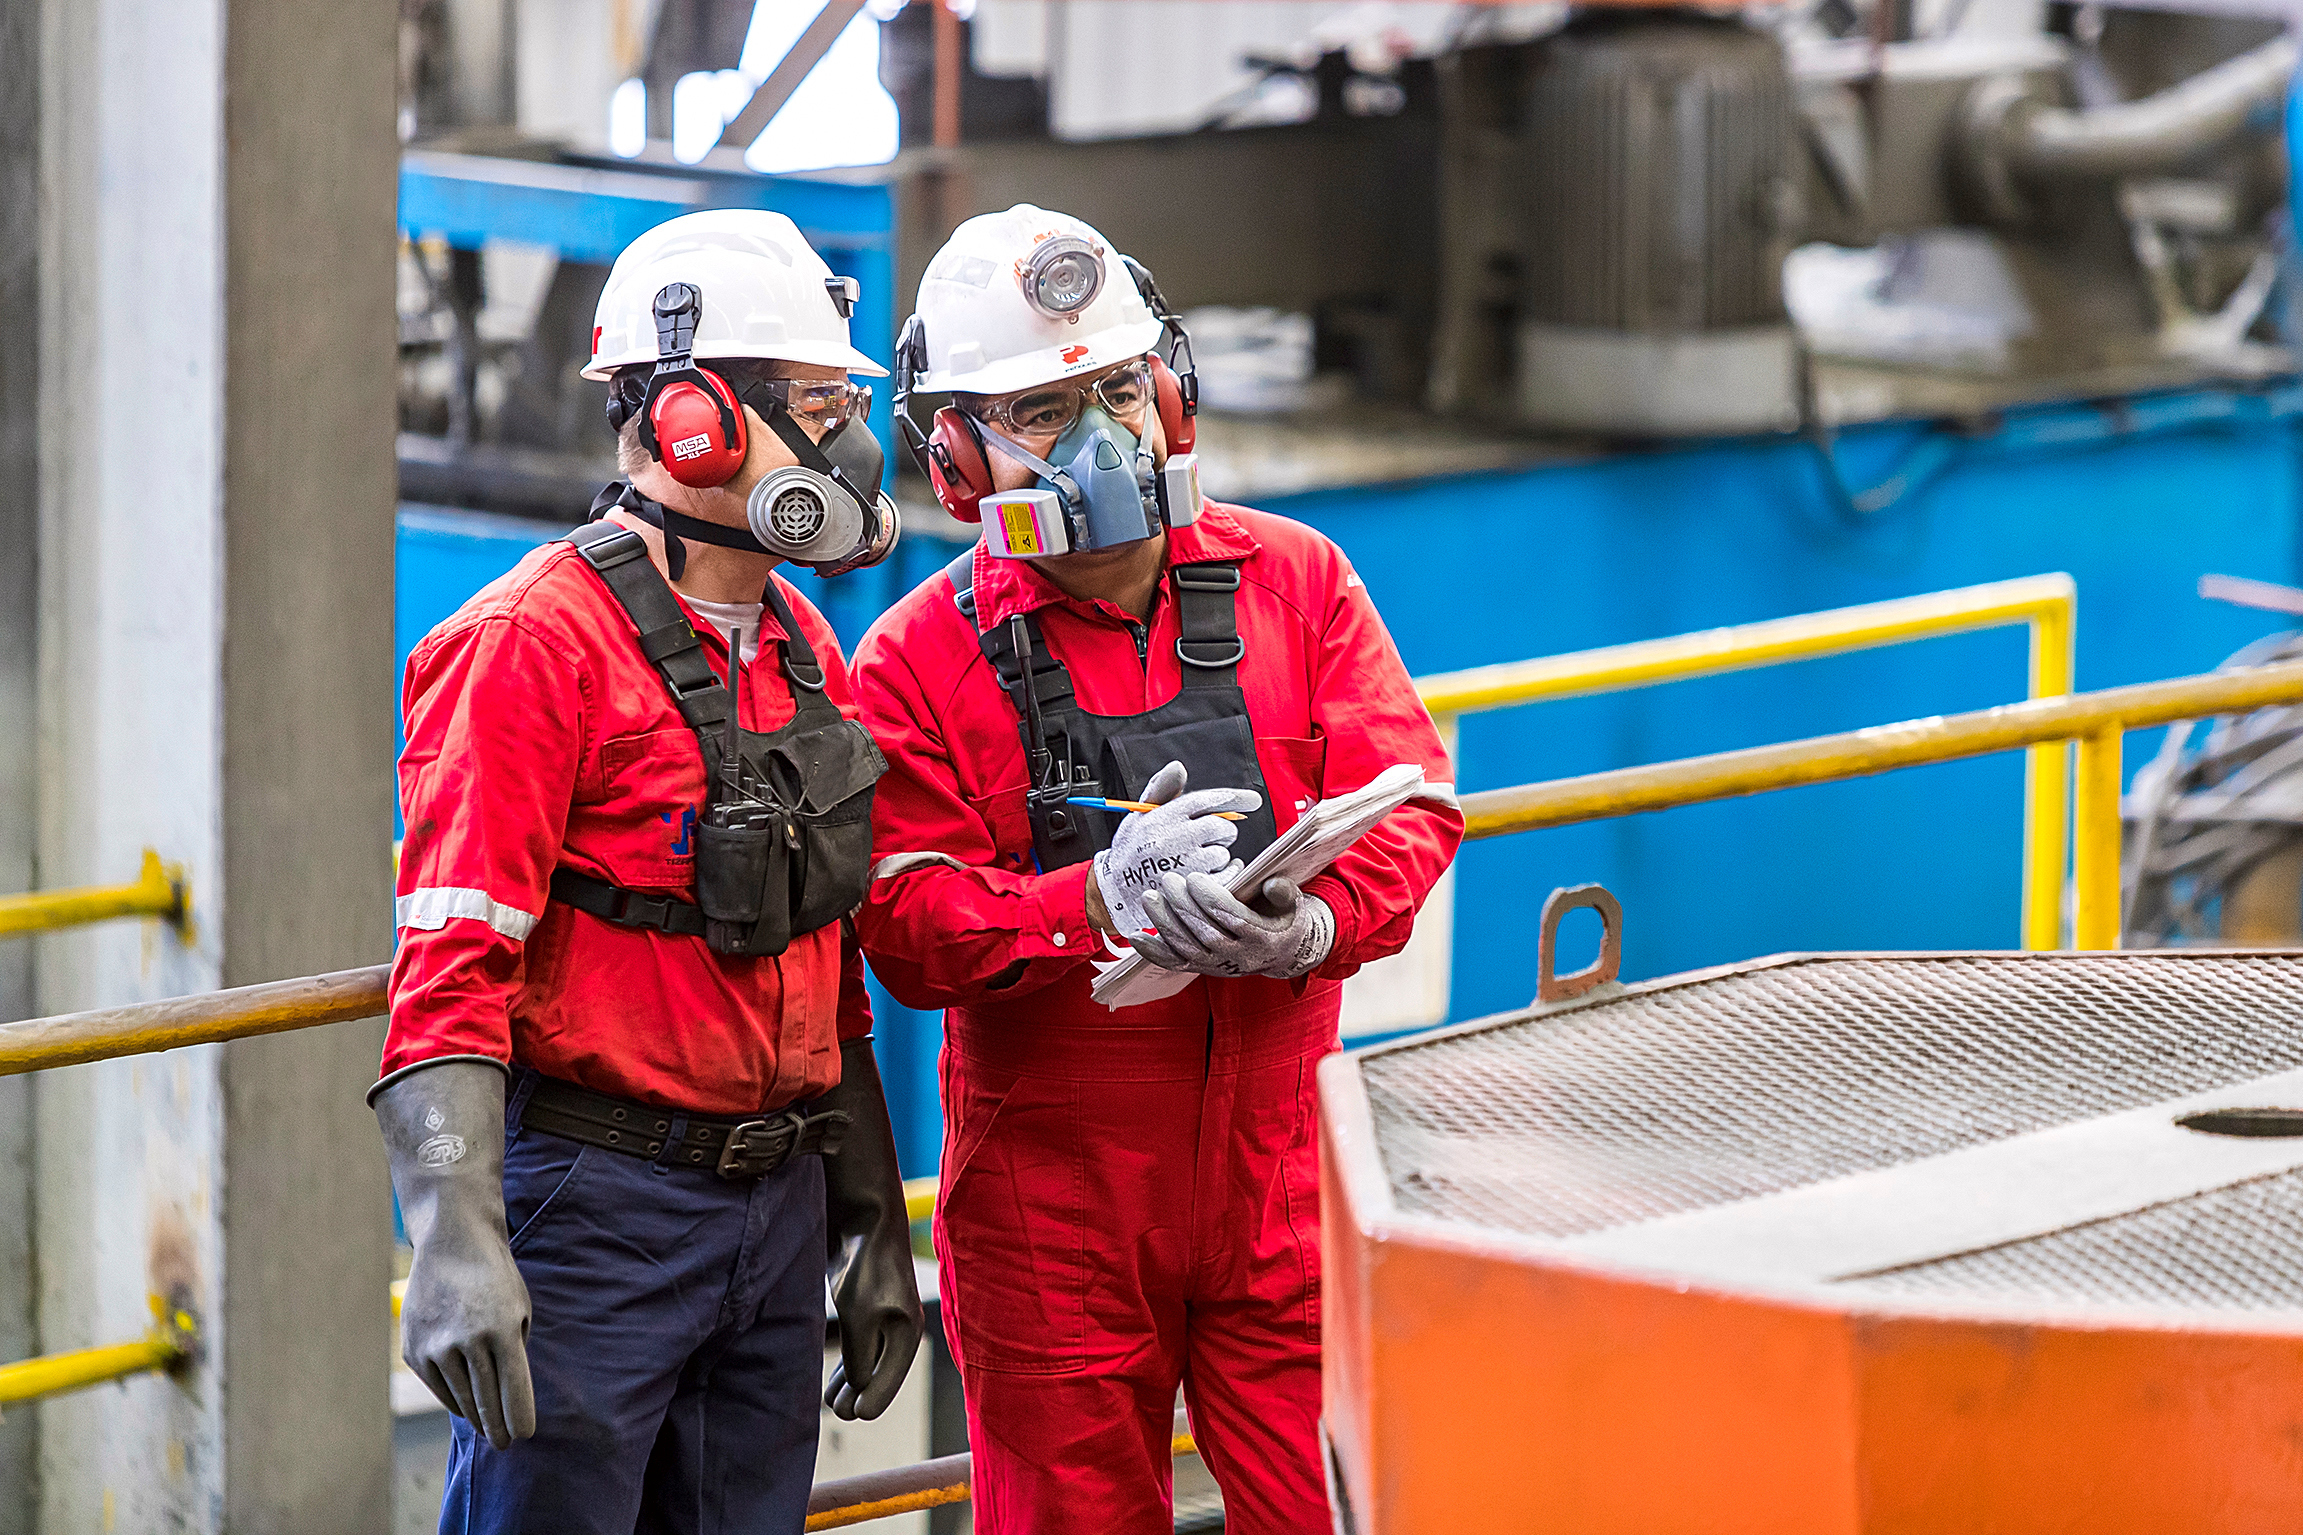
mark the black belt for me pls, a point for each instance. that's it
(733, 1148)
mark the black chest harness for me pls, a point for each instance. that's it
(784, 837)
(1069, 752)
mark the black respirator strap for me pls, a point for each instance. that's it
(677, 527)
(1065, 485)
(805, 449)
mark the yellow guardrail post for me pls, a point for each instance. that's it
(159, 891)
(2048, 604)
(2046, 781)
(2096, 923)
(171, 1341)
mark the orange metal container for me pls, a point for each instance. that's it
(1560, 1300)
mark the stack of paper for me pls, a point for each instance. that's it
(1310, 845)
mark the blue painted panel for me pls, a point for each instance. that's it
(2136, 500)
(591, 215)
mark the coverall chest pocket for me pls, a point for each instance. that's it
(1003, 813)
(1015, 1213)
(642, 830)
(1295, 769)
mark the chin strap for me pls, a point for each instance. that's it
(677, 527)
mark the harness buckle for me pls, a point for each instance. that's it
(1238, 650)
(1208, 578)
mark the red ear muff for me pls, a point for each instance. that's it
(957, 468)
(1180, 427)
(689, 429)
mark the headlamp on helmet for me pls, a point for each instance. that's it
(1063, 276)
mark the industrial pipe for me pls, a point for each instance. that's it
(157, 892)
(2012, 136)
(174, 1333)
(908, 1489)
(141, 1028)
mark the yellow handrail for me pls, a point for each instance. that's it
(167, 1345)
(2048, 604)
(159, 891)
(2097, 721)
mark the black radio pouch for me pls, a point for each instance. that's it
(784, 837)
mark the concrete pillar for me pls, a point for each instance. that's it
(214, 679)
(311, 342)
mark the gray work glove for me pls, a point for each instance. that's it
(464, 1318)
(1185, 834)
(1206, 930)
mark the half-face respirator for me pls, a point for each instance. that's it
(1099, 486)
(1098, 489)
(827, 511)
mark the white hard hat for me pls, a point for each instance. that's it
(765, 290)
(1023, 297)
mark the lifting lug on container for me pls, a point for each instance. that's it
(1553, 987)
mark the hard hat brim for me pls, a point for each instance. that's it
(820, 354)
(1114, 344)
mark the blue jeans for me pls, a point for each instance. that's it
(677, 1348)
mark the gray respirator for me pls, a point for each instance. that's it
(1098, 488)
(827, 510)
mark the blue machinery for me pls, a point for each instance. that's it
(2135, 497)
(590, 214)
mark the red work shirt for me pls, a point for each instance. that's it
(1331, 705)
(539, 736)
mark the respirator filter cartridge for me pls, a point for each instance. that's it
(804, 516)
(1025, 524)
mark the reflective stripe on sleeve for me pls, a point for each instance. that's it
(431, 909)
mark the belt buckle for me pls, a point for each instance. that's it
(736, 1157)
(645, 910)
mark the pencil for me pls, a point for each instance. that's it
(1093, 803)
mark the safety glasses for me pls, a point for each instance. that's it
(828, 403)
(1049, 408)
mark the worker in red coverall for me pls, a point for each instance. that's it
(628, 1087)
(1129, 1198)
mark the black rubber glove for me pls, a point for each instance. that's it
(873, 1287)
(464, 1318)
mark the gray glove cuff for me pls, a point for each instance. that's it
(1317, 938)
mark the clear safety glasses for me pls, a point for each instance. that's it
(1036, 412)
(828, 403)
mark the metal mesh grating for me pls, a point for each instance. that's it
(1767, 1079)
(2237, 1248)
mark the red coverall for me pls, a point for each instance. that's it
(1131, 1198)
(538, 735)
